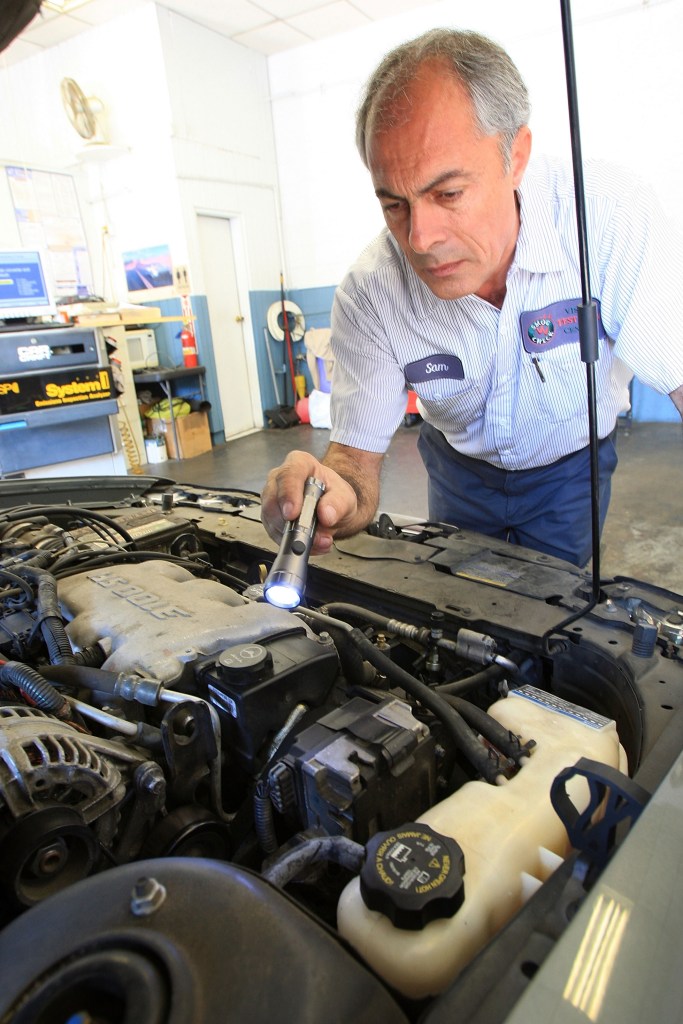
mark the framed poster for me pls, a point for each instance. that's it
(149, 273)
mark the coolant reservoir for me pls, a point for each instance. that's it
(511, 839)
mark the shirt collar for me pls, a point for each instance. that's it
(540, 248)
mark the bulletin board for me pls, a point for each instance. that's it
(49, 219)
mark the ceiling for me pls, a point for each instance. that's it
(268, 26)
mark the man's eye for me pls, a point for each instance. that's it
(391, 207)
(451, 195)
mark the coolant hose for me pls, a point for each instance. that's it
(492, 730)
(37, 690)
(337, 849)
(461, 734)
(356, 670)
(490, 674)
(88, 676)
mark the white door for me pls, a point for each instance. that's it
(235, 358)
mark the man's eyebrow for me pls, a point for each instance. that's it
(384, 193)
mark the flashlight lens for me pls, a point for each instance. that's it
(283, 595)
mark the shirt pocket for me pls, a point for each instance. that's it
(452, 405)
(553, 386)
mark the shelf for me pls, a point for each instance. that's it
(161, 375)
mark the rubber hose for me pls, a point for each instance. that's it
(356, 670)
(88, 676)
(342, 610)
(38, 690)
(490, 674)
(398, 627)
(461, 734)
(489, 727)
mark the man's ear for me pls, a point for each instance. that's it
(519, 154)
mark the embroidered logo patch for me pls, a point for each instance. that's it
(541, 331)
(436, 367)
(556, 324)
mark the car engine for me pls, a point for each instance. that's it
(205, 799)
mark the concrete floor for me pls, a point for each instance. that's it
(643, 535)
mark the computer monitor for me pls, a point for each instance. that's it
(24, 290)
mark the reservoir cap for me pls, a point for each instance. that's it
(244, 663)
(413, 875)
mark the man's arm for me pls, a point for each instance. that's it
(361, 470)
(351, 478)
(677, 399)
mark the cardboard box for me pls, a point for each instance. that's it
(194, 436)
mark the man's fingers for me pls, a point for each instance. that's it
(282, 499)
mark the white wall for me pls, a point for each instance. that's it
(630, 83)
(223, 143)
(189, 112)
(132, 194)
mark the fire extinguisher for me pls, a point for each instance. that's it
(189, 346)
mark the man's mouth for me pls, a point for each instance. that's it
(444, 269)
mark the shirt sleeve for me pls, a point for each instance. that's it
(368, 390)
(641, 288)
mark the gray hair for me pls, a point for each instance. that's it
(493, 83)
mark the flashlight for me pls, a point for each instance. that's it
(284, 586)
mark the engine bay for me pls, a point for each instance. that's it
(443, 746)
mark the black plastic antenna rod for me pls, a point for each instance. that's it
(587, 310)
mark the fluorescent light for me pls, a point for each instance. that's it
(63, 6)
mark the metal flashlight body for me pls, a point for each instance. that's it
(284, 586)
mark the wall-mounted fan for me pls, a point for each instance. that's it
(84, 112)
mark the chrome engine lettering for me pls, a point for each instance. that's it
(140, 597)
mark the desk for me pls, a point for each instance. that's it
(165, 378)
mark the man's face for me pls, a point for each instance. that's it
(446, 196)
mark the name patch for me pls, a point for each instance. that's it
(556, 324)
(437, 367)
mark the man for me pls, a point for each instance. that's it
(469, 299)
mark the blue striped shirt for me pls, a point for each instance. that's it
(503, 410)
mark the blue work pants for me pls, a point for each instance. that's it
(547, 508)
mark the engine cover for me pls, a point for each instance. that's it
(158, 617)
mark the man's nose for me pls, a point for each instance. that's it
(427, 227)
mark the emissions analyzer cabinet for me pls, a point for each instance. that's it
(57, 398)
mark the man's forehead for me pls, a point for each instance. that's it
(396, 99)
(434, 96)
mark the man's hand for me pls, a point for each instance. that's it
(351, 479)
